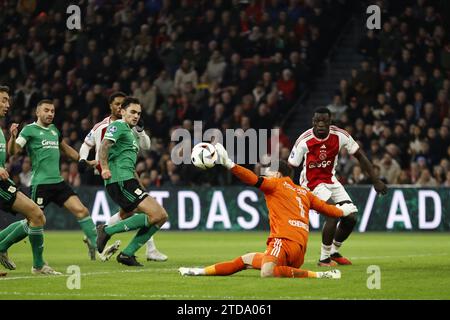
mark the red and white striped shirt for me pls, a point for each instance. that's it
(320, 155)
(95, 136)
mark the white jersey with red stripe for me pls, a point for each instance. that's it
(95, 136)
(320, 156)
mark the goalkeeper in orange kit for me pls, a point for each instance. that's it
(288, 206)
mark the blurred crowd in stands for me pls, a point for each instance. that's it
(397, 104)
(230, 64)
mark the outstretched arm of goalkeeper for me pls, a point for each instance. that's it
(243, 174)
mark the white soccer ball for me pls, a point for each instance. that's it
(204, 155)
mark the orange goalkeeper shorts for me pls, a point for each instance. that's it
(284, 252)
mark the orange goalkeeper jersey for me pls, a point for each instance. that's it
(288, 205)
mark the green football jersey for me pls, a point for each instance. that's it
(42, 145)
(122, 154)
(2, 149)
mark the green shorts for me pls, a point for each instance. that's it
(127, 194)
(43, 194)
(8, 193)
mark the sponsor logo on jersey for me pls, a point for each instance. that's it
(299, 224)
(50, 144)
(322, 164)
(298, 190)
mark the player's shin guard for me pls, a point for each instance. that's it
(225, 268)
(289, 272)
(140, 239)
(15, 235)
(88, 227)
(36, 236)
(134, 222)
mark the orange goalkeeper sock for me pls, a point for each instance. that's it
(225, 268)
(257, 259)
(289, 272)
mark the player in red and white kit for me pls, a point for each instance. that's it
(94, 139)
(318, 148)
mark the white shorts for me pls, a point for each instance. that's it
(334, 191)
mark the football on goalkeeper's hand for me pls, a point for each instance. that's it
(204, 155)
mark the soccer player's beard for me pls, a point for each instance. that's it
(45, 122)
(321, 135)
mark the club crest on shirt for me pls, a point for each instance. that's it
(323, 152)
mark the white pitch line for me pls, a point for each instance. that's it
(90, 273)
(176, 269)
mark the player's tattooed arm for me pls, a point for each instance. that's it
(103, 157)
(69, 152)
(367, 167)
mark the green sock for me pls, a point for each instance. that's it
(140, 239)
(15, 235)
(134, 222)
(36, 237)
(8, 229)
(88, 227)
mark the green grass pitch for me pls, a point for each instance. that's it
(413, 266)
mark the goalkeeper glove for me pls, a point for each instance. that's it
(347, 208)
(222, 156)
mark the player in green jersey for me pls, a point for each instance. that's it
(44, 144)
(14, 201)
(118, 155)
(94, 139)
